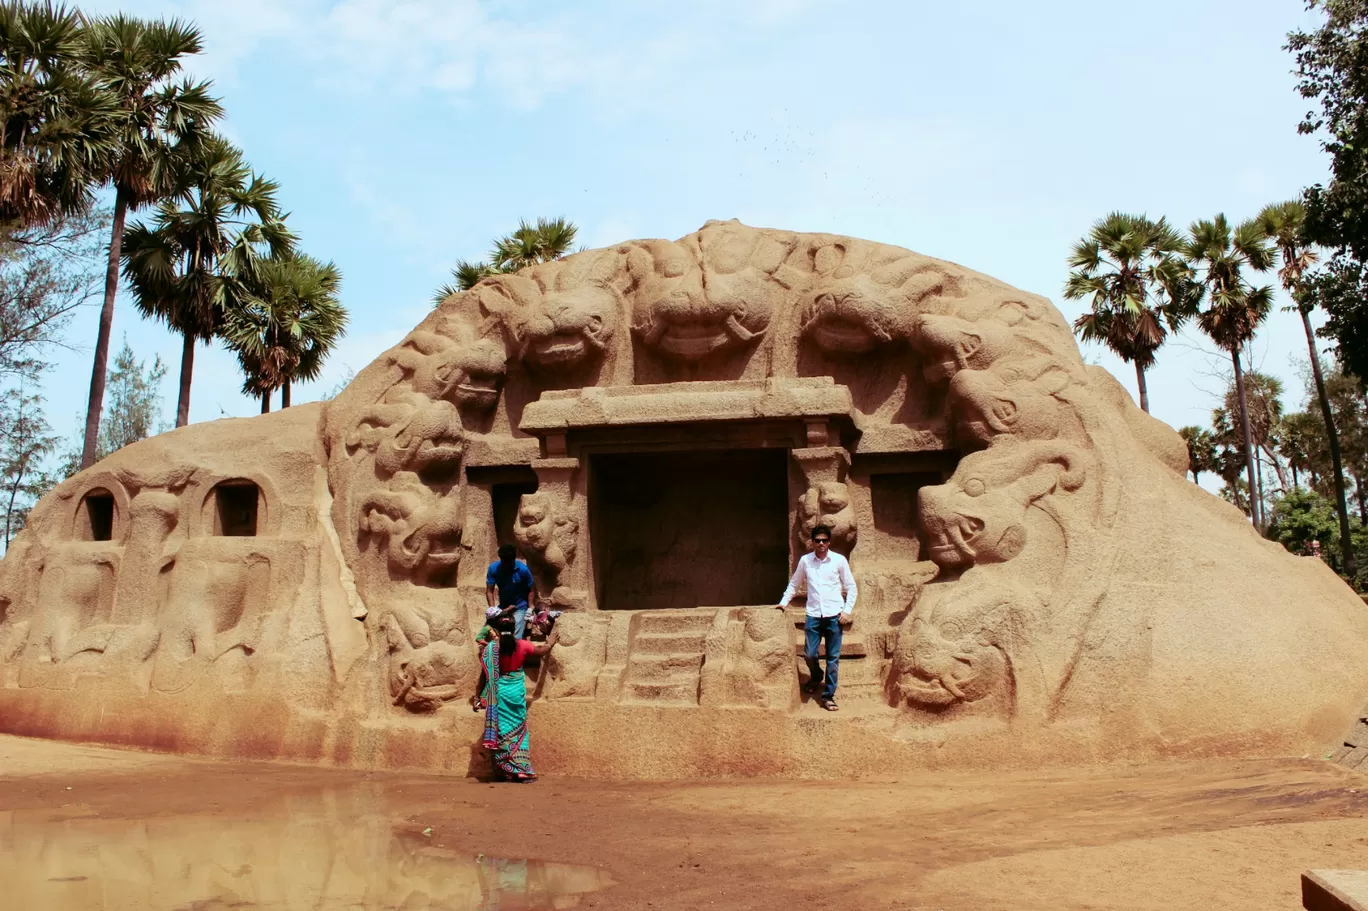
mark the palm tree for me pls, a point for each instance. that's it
(160, 121)
(1284, 224)
(1139, 286)
(289, 325)
(55, 122)
(1201, 444)
(200, 257)
(549, 239)
(1235, 309)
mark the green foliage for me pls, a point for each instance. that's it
(133, 411)
(1202, 456)
(26, 441)
(46, 272)
(57, 123)
(288, 325)
(529, 244)
(1299, 517)
(1139, 287)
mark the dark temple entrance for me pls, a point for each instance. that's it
(683, 529)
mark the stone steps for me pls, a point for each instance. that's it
(686, 621)
(679, 668)
(667, 643)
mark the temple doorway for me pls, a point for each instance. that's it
(684, 529)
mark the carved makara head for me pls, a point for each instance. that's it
(978, 516)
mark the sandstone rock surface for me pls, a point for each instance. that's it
(657, 426)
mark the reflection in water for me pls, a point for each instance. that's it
(333, 850)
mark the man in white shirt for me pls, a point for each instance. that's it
(827, 575)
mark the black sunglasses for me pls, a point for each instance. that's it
(821, 540)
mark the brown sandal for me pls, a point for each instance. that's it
(830, 705)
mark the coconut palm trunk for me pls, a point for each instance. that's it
(1248, 448)
(266, 401)
(97, 376)
(187, 375)
(285, 395)
(1332, 435)
(1144, 390)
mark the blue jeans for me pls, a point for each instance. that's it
(520, 621)
(815, 629)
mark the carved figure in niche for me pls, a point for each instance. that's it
(214, 607)
(421, 530)
(855, 311)
(828, 503)
(685, 316)
(430, 658)
(546, 535)
(978, 516)
(410, 432)
(466, 371)
(969, 643)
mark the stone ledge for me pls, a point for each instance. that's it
(1335, 890)
(683, 403)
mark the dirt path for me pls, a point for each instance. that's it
(1211, 835)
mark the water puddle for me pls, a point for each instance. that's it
(334, 850)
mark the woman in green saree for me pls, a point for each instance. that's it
(505, 698)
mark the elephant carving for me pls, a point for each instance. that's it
(420, 529)
(978, 516)
(828, 503)
(546, 535)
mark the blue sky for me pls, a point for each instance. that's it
(407, 134)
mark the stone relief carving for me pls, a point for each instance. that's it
(828, 503)
(977, 516)
(431, 658)
(411, 433)
(464, 370)
(419, 529)
(546, 536)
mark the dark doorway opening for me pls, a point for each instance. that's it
(97, 516)
(684, 529)
(506, 498)
(235, 510)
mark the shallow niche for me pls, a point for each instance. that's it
(95, 516)
(235, 509)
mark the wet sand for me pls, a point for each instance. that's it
(87, 827)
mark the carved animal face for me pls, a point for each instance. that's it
(978, 516)
(422, 531)
(570, 328)
(469, 375)
(985, 407)
(950, 345)
(829, 504)
(854, 316)
(955, 649)
(418, 435)
(534, 524)
(686, 317)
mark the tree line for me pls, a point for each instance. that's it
(100, 124)
(1144, 280)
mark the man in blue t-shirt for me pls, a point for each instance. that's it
(509, 585)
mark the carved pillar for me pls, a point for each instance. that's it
(548, 530)
(826, 499)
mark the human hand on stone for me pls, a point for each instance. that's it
(846, 619)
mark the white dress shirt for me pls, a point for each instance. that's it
(825, 578)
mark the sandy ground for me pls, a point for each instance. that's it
(1219, 834)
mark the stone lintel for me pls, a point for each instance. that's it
(822, 464)
(492, 451)
(812, 400)
(1335, 890)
